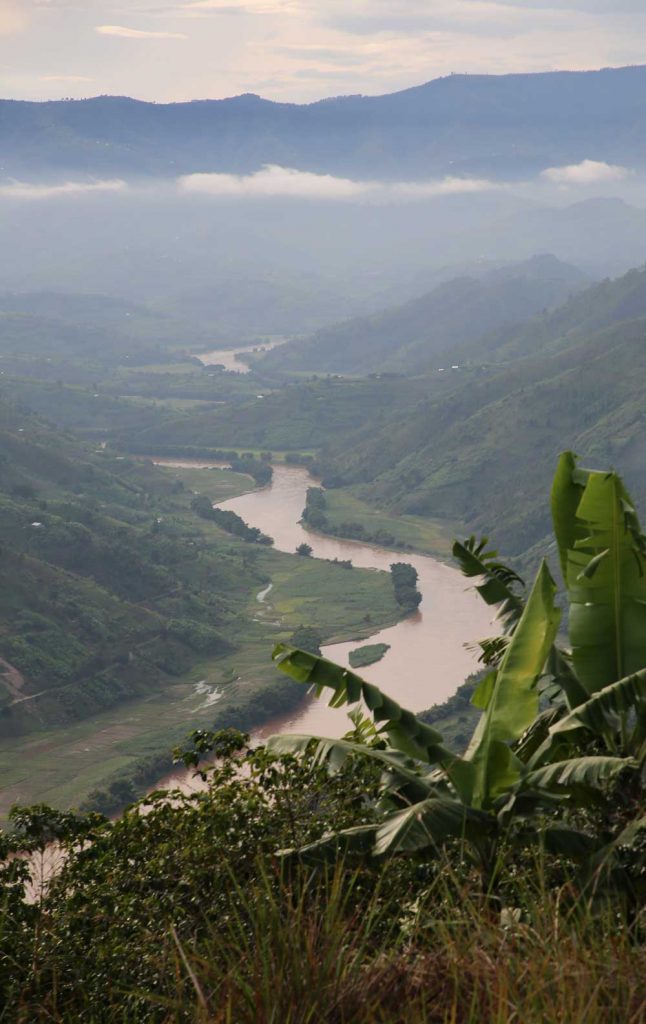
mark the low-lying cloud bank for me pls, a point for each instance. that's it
(29, 190)
(287, 182)
(588, 172)
(273, 181)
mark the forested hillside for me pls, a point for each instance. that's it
(472, 445)
(483, 450)
(412, 338)
(106, 592)
(609, 303)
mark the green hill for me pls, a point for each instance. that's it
(472, 445)
(602, 305)
(106, 591)
(438, 326)
(481, 452)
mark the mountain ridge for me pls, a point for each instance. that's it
(525, 122)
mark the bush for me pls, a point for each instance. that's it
(404, 577)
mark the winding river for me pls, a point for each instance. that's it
(427, 659)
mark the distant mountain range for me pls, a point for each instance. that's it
(507, 126)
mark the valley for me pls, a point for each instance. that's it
(406, 462)
(322, 453)
(66, 744)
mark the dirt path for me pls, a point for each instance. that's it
(12, 678)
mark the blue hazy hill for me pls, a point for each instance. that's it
(504, 126)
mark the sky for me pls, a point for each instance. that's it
(298, 50)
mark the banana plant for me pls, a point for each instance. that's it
(522, 761)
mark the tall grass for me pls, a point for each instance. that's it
(308, 952)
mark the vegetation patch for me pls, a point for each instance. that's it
(340, 512)
(368, 654)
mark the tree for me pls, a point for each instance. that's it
(526, 770)
(304, 549)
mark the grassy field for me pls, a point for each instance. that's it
(338, 601)
(217, 484)
(429, 536)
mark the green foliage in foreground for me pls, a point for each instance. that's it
(526, 777)
(368, 654)
(179, 912)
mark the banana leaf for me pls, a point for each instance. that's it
(602, 713)
(400, 773)
(577, 772)
(404, 730)
(424, 825)
(603, 556)
(497, 580)
(511, 696)
(430, 823)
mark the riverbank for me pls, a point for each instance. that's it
(349, 517)
(426, 660)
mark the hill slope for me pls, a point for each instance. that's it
(482, 452)
(410, 338)
(106, 592)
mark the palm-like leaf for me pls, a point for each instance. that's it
(510, 697)
(424, 825)
(496, 579)
(603, 556)
(531, 745)
(404, 730)
(430, 823)
(602, 713)
(578, 772)
(400, 773)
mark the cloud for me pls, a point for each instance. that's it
(65, 78)
(588, 172)
(12, 18)
(608, 7)
(442, 187)
(136, 33)
(30, 190)
(242, 7)
(273, 180)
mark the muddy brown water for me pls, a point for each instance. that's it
(428, 657)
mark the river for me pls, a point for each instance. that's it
(228, 358)
(427, 659)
